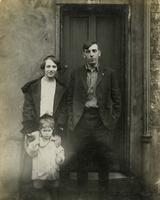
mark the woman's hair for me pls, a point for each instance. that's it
(51, 57)
(46, 121)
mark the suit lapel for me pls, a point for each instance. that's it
(58, 95)
(101, 74)
(84, 77)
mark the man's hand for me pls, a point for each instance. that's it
(57, 139)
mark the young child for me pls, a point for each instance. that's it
(46, 152)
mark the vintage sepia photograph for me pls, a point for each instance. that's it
(80, 99)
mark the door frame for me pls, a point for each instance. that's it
(120, 163)
(138, 11)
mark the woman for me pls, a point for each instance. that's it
(45, 95)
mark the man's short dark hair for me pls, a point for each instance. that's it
(89, 43)
(53, 58)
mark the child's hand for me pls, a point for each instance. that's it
(57, 139)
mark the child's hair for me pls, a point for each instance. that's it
(46, 120)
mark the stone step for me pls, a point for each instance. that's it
(121, 187)
(118, 183)
(94, 175)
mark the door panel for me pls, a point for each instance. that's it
(75, 29)
(106, 25)
(105, 36)
(78, 33)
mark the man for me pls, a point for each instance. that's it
(44, 95)
(94, 107)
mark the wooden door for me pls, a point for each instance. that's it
(106, 25)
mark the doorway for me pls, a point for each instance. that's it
(106, 25)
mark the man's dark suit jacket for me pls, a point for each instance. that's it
(107, 92)
(31, 108)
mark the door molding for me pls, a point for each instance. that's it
(146, 137)
(57, 32)
(92, 2)
(126, 135)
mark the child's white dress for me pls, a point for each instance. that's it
(46, 158)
